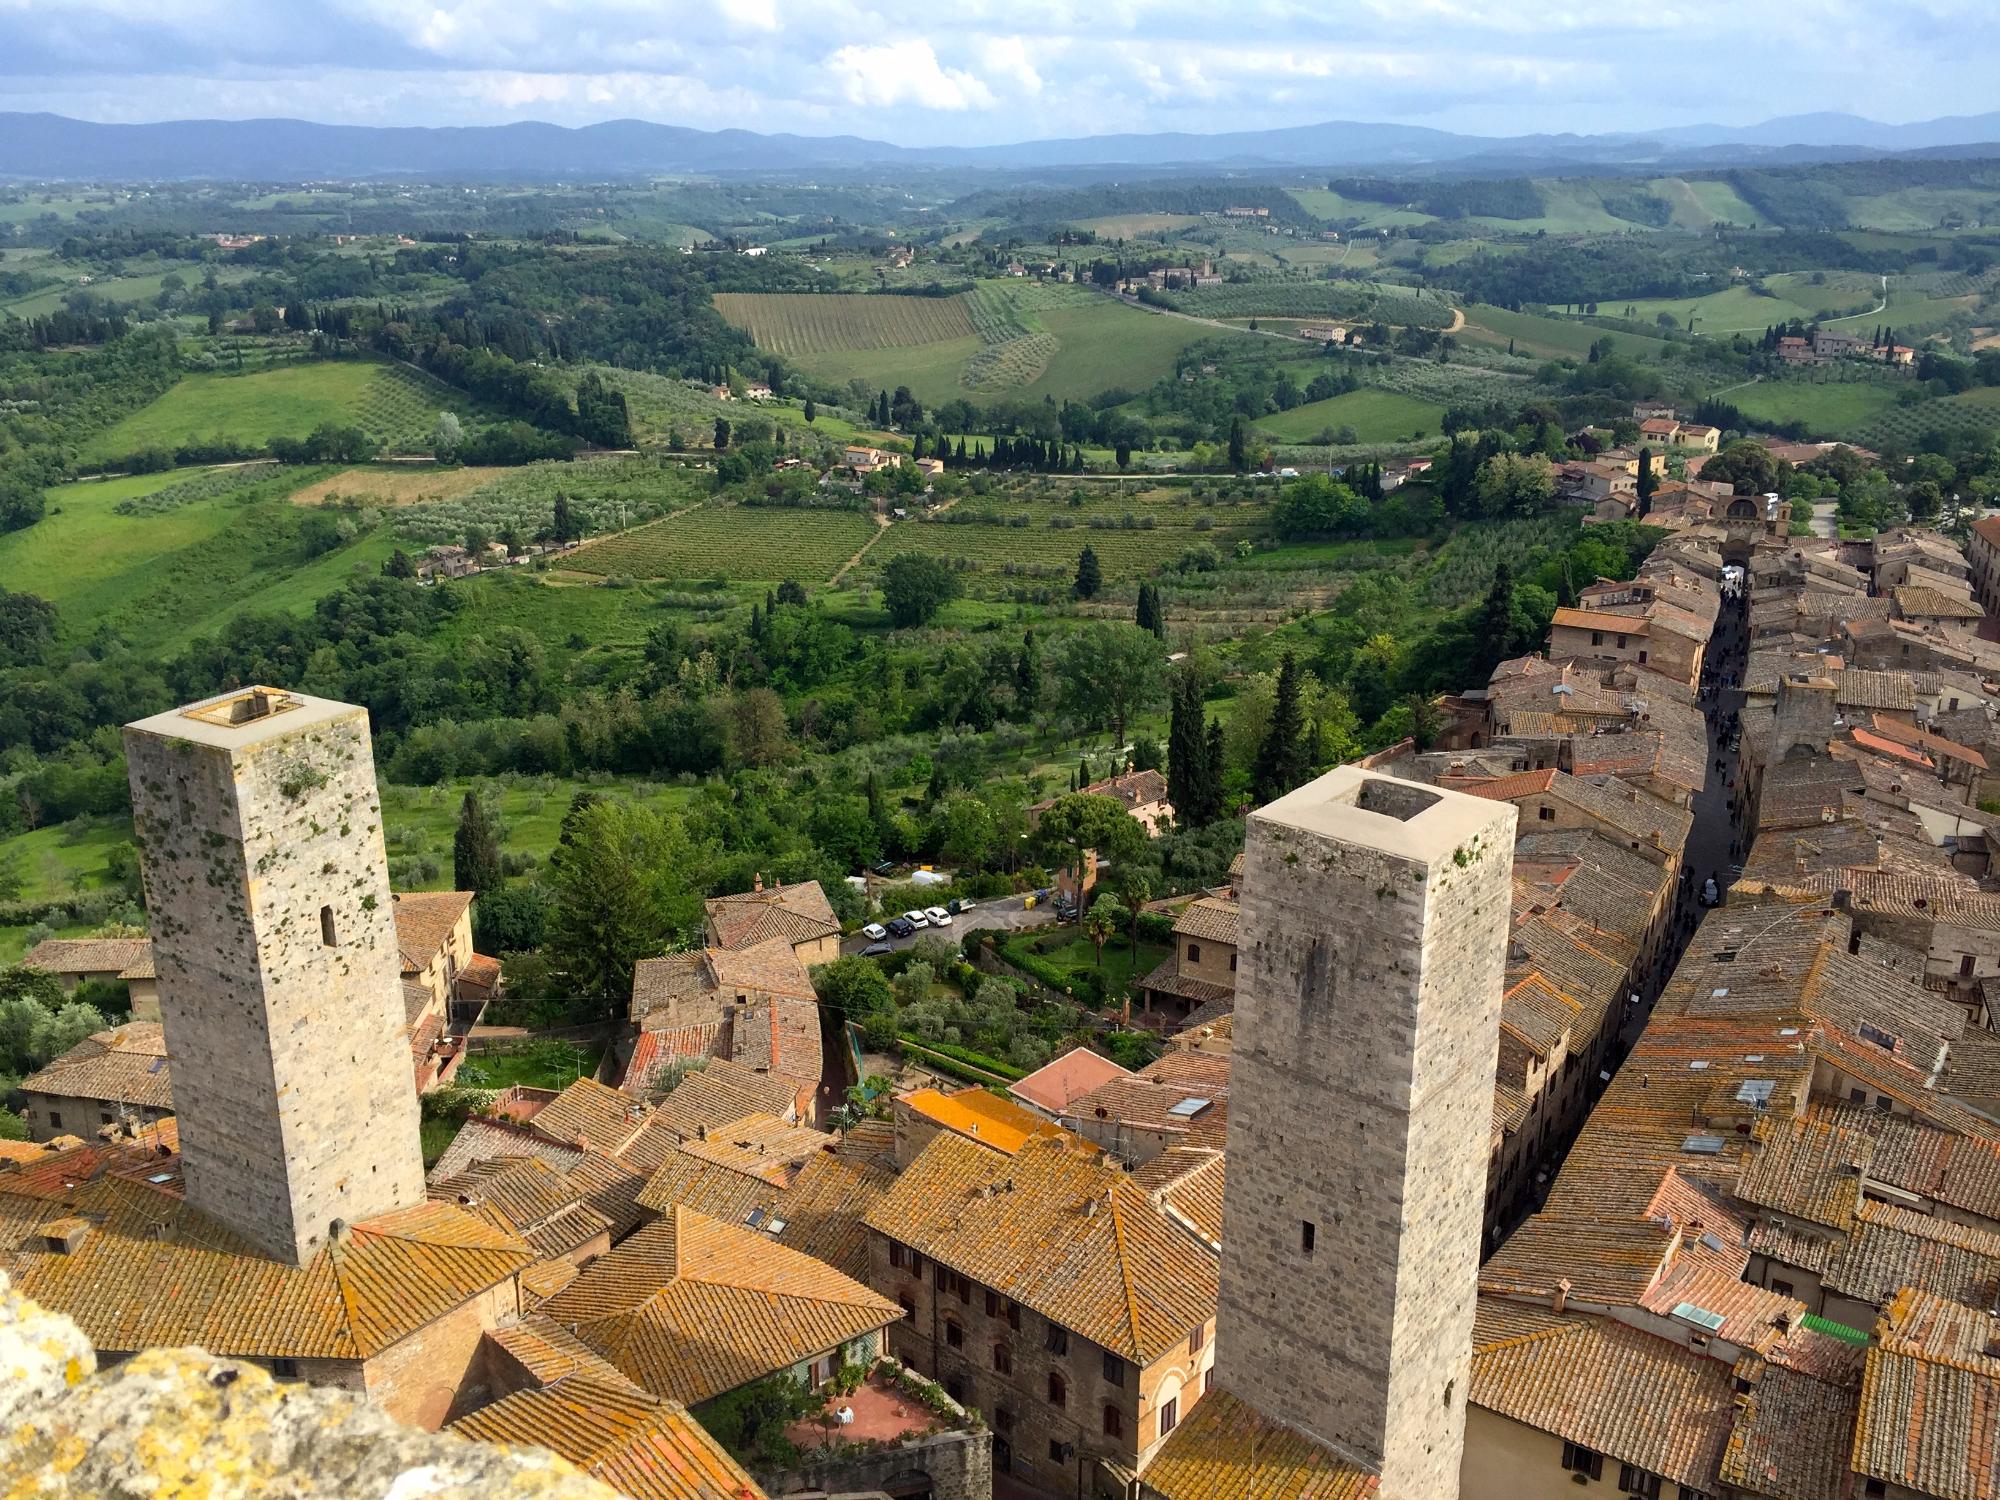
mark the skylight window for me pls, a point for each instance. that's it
(1701, 1317)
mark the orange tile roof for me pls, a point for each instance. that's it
(796, 913)
(1502, 788)
(761, 1146)
(155, 1272)
(1058, 1229)
(124, 1065)
(424, 920)
(1054, 1084)
(1225, 1449)
(1591, 619)
(593, 1113)
(1792, 1436)
(1596, 1382)
(690, 1307)
(125, 957)
(1930, 1400)
(1211, 920)
(974, 1113)
(643, 1447)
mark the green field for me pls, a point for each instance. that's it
(394, 404)
(1376, 415)
(795, 323)
(1972, 412)
(1548, 337)
(167, 576)
(1831, 409)
(732, 542)
(1133, 534)
(1737, 309)
(1018, 339)
(418, 821)
(1713, 202)
(1138, 226)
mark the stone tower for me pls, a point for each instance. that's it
(1375, 921)
(280, 979)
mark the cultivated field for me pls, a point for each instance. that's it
(731, 542)
(1555, 338)
(1972, 412)
(396, 405)
(1377, 416)
(395, 485)
(1829, 409)
(1738, 309)
(794, 323)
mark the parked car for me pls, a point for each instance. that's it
(916, 919)
(876, 950)
(886, 867)
(938, 915)
(899, 928)
(874, 932)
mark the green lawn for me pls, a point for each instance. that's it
(394, 404)
(1833, 409)
(1548, 337)
(539, 1065)
(1375, 414)
(65, 858)
(418, 821)
(1737, 309)
(1121, 964)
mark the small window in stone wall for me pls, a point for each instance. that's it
(1308, 1236)
(327, 935)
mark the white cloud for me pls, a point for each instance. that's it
(1007, 57)
(908, 71)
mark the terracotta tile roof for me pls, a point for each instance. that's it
(719, 1092)
(612, 1188)
(1792, 1436)
(1958, 1170)
(781, 1038)
(424, 920)
(994, 1122)
(1921, 601)
(1057, 1229)
(794, 913)
(154, 1272)
(1187, 1182)
(1225, 1449)
(483, 1139)
(761, 1146)
(1930, 1401)
(1598, 1383)
(528, 1198)
(1937, 744)
(690, 1307)
(1167, 979)
(1205, 1072)
(1054, 1084)
(592, 1113)
(1503, 788)
(643, 1447)
(128, 958)
(545, 1351)
(1752, 1318)
(1893, 1248)
(122, 1065)
(1210, 920)
(1808, 1169)
(1133, 788)
(1147, 1104)
(655, 1053)
(1591, 619)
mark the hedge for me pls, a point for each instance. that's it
(966, 1055)
(923, 1056)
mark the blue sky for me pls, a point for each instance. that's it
(964, 73)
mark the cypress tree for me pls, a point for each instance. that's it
(1647, 481)
(1238, 455)
(1281, 759)
(1028, 672)
(475, 850)
(1187, 749)
(1209, 808)
(1089, 576)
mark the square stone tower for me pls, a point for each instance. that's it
(1375, 922)
(260, 833)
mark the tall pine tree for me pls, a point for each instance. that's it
(1187, 748)
(475, 850)
(1281, 760)
(1089, 575)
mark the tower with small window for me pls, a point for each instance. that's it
(1374, 941)
(267, 890)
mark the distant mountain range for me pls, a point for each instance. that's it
(52, 146)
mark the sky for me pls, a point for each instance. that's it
(965, 72)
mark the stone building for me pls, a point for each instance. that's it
(268, 889)
(1050, 1292)
(110, 1079)
(1375, 927)
(126, 961)
(800, 914)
